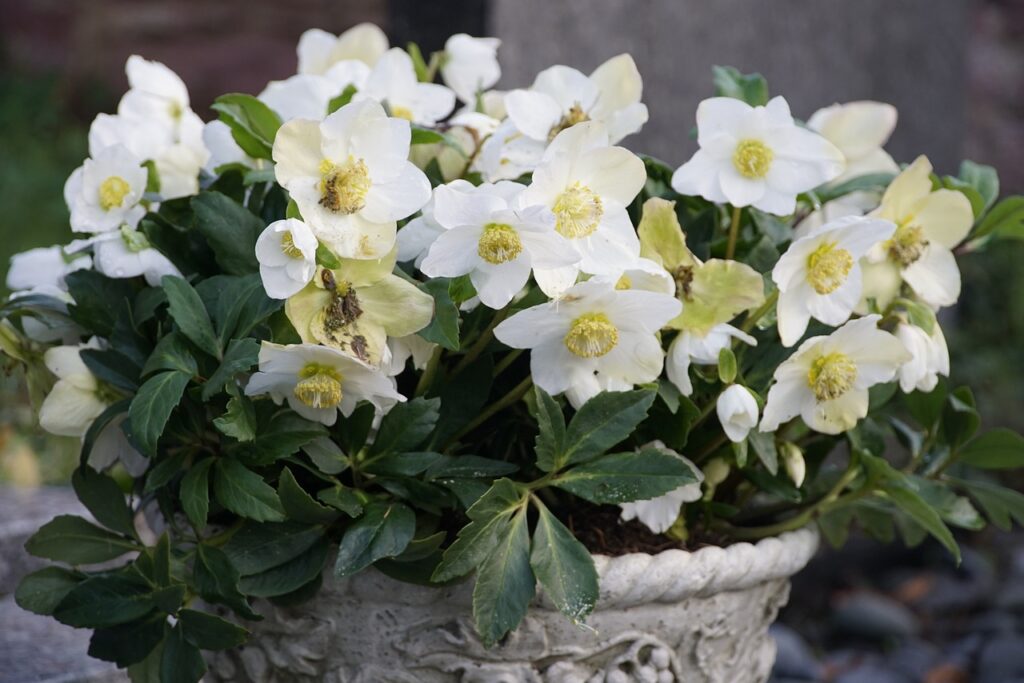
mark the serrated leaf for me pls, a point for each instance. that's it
(999, 449)
(626, 477)
(40, 592)
(171, 353)
(505, 584)
(342, 498)
(604, 421)
(152, 407)
(181, 661)
(444, 328)
(564, 567)
(186, 307)
(102, 601)
(402, 464)
(239, 421)
(258, 547)
(231, 231)
(407, 425)
(298, 504)
(550, 443)
(468, 467)
(103, 498)
(195, 492)
(112, 367)
(288, 576)
(240, 356)
(209, 632)
(71, 539)
(913, 505)
(129, 643)
(384, 530)
(253, 124)
(97, 298)
(244, 492)
(282, 436)
(216, 580)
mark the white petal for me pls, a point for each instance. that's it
(496, 285)
(699, 177)
(398, 197)
(533, 113)
(935, 276)
(784, 402)
(793, 316)
(297, 154)
(838, 415)
(453, 253)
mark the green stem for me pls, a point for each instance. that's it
(509, 358)
(760, 312)
(429, 372)
(734, 232)
(505, 401)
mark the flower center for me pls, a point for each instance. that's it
(624, 282)
(831, 376)
(343, 187)
(592, 335)
(288, 247)
(577, 211)
(113, 191)
(683, 277)
(907, 245)
(752, 158)
(499, 243)
(401, 113)
(134, 240)
(319, 386)
(569, 119)
(827, 267)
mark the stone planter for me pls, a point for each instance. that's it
(698, 617)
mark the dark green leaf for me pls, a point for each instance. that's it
(342, 498)
(505, 584)
(444, 328)
(256, 547)
(97, 300)
(872, 182)
(913, 505)
(102, 601)
(231, 231)
(283, 435)
(41, 591)
(764, 447)
(195, 492)
(244, 492)
(425, 136)
(152, 407)
(171, 353)
(1004, 221)
(564, 567)
(182, 662)
(299, 505)
(326, 455)
(239, 421)
(209, 632)
(468, 467)
(729, 82)
(253, 124)
(129, 643)
(188, 311)
(960, 419)
(999, 449)
(463, 400)
(927, 407)
(112, 367)
(625, 477)
(604, 421)
(288, 576)
(341, 100)
(407, 425)
(550, 443)
(73, 540)
(164, 471)
(241, 355)
(402, 464)
(216, 580)
(1002, 505)
(982, 178)
(384, 530)
(103, 498)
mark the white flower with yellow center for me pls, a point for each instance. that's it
(695, 347)
(470, 65)
(659, 514)
(104, 193)
(393, 82)
(737, 412)
(642, 274)
(43, 267)
(594, 338)
(319, 382)
(416, 236)
(157, 94)
(77, 398)
(319, 50)
(929, 224)
(286, 251)
(351, 177)
(755, 156)
(488, 236)
(929, 357)
(819, 276)
(587, 185)
(860, 130)
(826, 380)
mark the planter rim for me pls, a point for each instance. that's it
(674, 575)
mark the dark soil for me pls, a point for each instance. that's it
(603, 532)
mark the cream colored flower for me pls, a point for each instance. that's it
(737, 412)
(77, 398)
(659, 514)
(105, 192)
(826, 381)
(860, 130)
(286, 251)
(393, 83)
(319, 50)
(929, 357)
(351, 178)
(470, 65)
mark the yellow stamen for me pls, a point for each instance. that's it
(831, 376)
(577, 211)
(499, 243)
(571, 118)
(624, 282)
(591, 335)
(827, 267)
(113, 191)
(401, 113)
(908, 244)
(343, 187)
(752, 158)
(319, 386)
(288, 247)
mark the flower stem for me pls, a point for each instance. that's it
(760, 312)
(481, 343)
(509, 358)
(505, 401)
(427, 378)
(734, 232)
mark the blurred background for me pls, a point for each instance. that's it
(954, 69)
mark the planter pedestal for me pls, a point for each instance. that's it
(698, 617)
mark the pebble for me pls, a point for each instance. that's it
(874, 617)
(914, 659)
(873, 673)
(794, 659)
(1002, 660)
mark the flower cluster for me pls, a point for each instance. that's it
(379, 307)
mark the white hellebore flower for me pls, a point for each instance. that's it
(319, 50)
(860, 130)
(819, 276)
(587, 185)
(737, 412)
(689, 348)
(594, 338)
(43, 267)
(489, 237)
(127, 253)
(286, 251)
(393, 82)
(76, 399)
(318, 381)
(755, 156)
(351, 177)
(928, 226)
(470, 65)
(561, 97)
(223, 149)
(416, 236)
(826, 380)
(929, 357)
(104, 192)
(659, 514)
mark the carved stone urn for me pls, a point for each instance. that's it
(698, 617)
